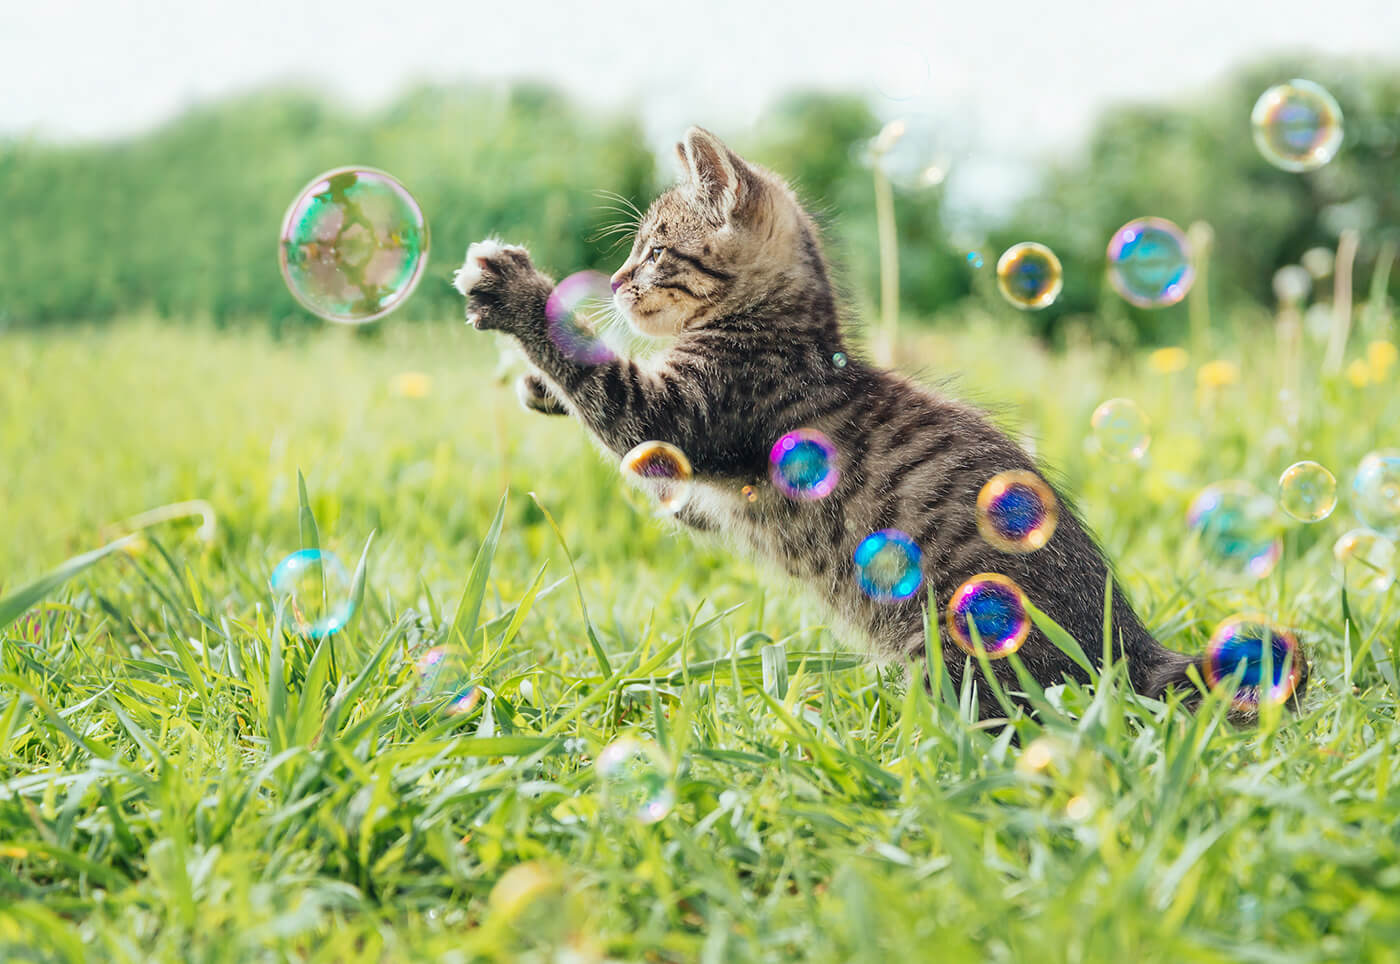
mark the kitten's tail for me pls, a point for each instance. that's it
(1172, 673)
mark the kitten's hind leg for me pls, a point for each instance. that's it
(535, 395)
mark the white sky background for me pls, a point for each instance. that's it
(1014, 80)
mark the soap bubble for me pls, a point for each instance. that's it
(1297, 125)
(887, 565)
(1365, 561)
(997, 607)
(838, 359)
(663, 472)
(1234, 523)
(974, 259)
(1029, 275)
(1121, 429)
(633, 775)
(443, 681)
(1017, 511)
(802, 465)
(1307, 491)
(354, 245)
(574, 311)
(315, 587)
(1375, 491)
(1149, 263)
(1242, 642)
(749, 493)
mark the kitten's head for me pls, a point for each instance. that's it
(730, 235)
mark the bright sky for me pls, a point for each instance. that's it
(1013, 79)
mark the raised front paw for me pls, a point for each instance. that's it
(534, 394)
(504, 292)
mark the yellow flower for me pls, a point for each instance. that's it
(1359, 373)
(1168, 360)
(411, 384)
(1381, 355)
(1217, 374)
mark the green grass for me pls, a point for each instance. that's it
(180, 780)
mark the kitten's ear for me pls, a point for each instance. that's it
(720, 181)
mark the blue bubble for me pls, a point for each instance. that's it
(315, 588)
(887, 565)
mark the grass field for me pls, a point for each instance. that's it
(179, 780)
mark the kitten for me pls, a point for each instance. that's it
(729, 265)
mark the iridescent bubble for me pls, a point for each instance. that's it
(1121, 429)
(1365, 561)
(1017, 511)
(1307, 491)
(633, 775)
(1297, 125)
(974, 259)
(1375, 491)
(1149, 263)
(354, 245)
(887, 565)
(1243, 644)
(663, 472)
(802, 465)
(1029, 275)
(997, 607)
(574, 310)
(1234, 523)
(443, 672)
(749, 493)
(838, 360)
(315, 588)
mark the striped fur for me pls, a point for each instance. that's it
(729, 265)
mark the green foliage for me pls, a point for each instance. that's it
(1195, 160)
(180, 781)
(183, 222)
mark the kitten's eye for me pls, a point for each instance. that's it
(654, 255)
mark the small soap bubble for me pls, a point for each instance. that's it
(1307, 491)
(1375, 491)
(574, 311)
(1017, 511)
(633, 775)
(1029, 275)
(1242, 644)
(663, 472)
(316, 589)
(354, 245)
(838, 360)
(887, 565)
(997, 607)
(749, 493)
(802, 465)
(974, 259)
(1234, 523)
(1149, 263)
(1365, 561)
(443, 673)
(1297, 125)
(1121, 429)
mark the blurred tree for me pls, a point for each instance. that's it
(184, 221)
(1196, 160)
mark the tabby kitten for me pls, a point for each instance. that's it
(729, 266)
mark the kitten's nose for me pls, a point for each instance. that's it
(618, 279)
